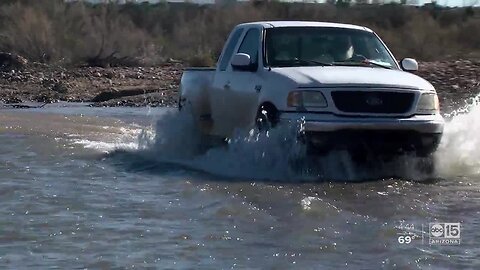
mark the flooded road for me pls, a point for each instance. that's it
(103, 188)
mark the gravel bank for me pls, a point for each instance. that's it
(455, 81)
(124, 86)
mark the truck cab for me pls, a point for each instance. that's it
(340, 78)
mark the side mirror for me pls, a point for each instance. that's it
(241, 61)
(409, 64)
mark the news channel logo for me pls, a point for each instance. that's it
(444, 233)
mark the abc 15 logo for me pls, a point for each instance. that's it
(444, 230)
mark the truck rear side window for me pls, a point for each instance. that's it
(229, 49)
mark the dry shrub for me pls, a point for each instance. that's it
(468, 35)
(28, 32)
(110, 38)
(421, 38)
(52, 31)
(201, 59)
(56, 31)
(408, 31)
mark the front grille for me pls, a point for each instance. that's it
(373, 102)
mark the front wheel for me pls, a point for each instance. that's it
(266, 118)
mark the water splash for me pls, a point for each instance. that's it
(173, 136)
(248, 154)
(110, 139)
(277, 155)
(459, 152)
(273, 155)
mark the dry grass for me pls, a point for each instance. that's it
(53, 31)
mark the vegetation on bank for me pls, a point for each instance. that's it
(76, 33)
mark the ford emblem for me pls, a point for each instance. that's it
(373, 100)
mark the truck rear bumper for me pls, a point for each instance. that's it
(420, 134)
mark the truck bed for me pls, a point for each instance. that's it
(194, 89)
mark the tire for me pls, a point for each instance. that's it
(266, 118)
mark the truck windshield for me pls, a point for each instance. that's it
(320, 46)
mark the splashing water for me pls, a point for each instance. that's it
(273, 155)
(459, 152)
(277, 155)
(252, 154)
(110, 142)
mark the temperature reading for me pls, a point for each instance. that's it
(404, 239)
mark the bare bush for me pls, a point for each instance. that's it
(74, 33)
(109, 34)
(29, 32)
(111, 39)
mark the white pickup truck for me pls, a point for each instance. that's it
(342, 79)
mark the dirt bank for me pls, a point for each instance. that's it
(124, 86)
(455, 82)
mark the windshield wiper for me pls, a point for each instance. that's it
(363, 63)
(308, 61)
(376, 64)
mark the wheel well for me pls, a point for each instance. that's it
(272, 112)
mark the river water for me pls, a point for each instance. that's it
(103, 188)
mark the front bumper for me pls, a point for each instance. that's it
(420, 133)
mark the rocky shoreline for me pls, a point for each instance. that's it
(455, 81)
(122, 86)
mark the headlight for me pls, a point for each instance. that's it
(428, 104)
(306, 99)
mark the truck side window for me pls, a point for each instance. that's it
(250, 45)
(229, 49)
